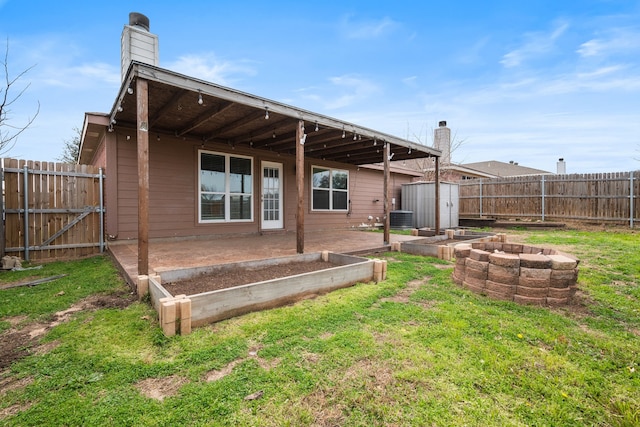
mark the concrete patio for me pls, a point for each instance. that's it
(169, 254)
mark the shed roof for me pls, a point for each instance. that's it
(228, 116)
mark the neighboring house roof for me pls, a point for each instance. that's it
(195, 109)
(501, 169)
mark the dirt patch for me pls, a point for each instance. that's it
(161, 388)
(405, 293)
(237, 277)
(19, 340)
(218, 374)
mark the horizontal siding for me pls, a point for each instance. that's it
(173, 192)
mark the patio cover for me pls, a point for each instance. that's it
(156, 100)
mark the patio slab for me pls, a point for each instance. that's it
(181, 253)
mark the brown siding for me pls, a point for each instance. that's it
(173, 192)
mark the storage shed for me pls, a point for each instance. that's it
(420, 197)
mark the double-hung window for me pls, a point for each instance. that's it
(330, 188)
(225, 186)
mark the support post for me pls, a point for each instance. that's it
(542, 193)
(631, 208)
(101, 183)
(142, 118)
(385, 189)
(480, 197)
(437, 194)
(25, 182)
(300, 186)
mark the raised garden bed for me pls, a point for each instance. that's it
(198, 296)
(441, 246)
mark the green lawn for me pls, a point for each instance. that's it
(413, 350)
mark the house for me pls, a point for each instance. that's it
(455, 172)
(188, 158)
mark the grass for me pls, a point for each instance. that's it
(412, 350)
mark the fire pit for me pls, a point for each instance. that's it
(513, 272)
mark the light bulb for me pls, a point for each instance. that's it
(200, 101)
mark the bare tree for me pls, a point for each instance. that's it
(9, 132)
(71, 148)
(426, 165)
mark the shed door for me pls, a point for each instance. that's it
(271, 196)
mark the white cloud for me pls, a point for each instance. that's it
(208, 67)
(342, 92)
(617, 40)
(536, 45)
(368, 29)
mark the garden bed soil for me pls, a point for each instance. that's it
(238, 277)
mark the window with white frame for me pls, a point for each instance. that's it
(225, 186)
(330, 189)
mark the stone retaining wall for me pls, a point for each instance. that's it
(521, 273)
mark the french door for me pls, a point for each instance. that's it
(271, 200)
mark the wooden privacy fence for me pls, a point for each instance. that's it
(605, 197)
(51, 210)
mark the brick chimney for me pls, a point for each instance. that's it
(137, 43)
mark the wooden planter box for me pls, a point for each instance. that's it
(180, 312)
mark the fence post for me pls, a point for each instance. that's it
(26, 212)
(480, 197)
(101, 212)
(3, 234)
(542, 191)
(631, 194)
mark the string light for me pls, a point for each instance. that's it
(343, 132)
(130, 90)
(200, 101)
(375, 141)
(266, 114)
(316, 126)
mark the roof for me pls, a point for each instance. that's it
(195, 109)
(501, 169)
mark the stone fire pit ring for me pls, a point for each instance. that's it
(513, 272)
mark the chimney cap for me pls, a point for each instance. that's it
(561, 159)
(138, 20)
(442, 123)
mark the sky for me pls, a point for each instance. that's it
(523, 81)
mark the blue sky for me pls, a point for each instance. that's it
(528, 81)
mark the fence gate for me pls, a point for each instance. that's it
(51, 211)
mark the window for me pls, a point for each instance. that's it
(330, 189)
(225, 187)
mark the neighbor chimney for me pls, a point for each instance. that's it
(562, 166)
(442, 142)
(137, 43)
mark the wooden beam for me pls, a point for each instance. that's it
(142, 133)
(437, 194)
(300, 186)
(385, 189)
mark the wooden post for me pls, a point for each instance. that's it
(300, 185)
(437, 194)
(142, 118)
(385, 189)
